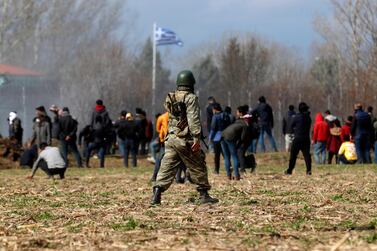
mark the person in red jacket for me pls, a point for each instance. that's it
(319, 139)
(346, 128)
(334, 142)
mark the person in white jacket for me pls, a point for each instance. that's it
(50, 161)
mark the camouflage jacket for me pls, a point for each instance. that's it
(187, 125)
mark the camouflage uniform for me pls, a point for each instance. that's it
(182, 134)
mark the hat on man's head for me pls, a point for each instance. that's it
(54, 108)
(41, 108)
(139, 110)
(99, 102)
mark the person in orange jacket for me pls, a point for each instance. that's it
(162, 130)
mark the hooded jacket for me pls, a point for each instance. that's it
(321, 129)
(100, 111)
(15, 128)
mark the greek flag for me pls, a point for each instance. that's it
(164, 36)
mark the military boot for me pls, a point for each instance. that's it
(204, 198)
(156, 199)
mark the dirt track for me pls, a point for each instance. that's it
(96, 209)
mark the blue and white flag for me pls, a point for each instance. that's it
(164, 36)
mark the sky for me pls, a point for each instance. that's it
(289, 22)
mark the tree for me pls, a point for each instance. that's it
(207, 78)
(142, 78)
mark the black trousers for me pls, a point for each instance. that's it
(51, 171)
(218, 151)
(331, 156)
(343, 160)
(303, 145)
(241, 157)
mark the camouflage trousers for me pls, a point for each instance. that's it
(178, 150)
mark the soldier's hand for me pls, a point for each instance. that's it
(195, 147)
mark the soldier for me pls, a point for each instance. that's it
(182, 144)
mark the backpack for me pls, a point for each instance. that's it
(99, 126)
(178, 110)
(250, 161)
(226, 119)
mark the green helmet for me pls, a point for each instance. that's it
(185, 78)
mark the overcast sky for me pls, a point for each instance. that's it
(196, 21)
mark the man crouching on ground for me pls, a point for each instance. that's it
(182, 144)
(50, 161)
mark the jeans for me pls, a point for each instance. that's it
(230, 151)
(157, 164)
(129, 146)
(362, 143)
(84, 150)
(154, 146)
(320, 152)
(121, 152)
(267, 129)
(253, 146)
(64, 145)
(142, 143)
(101, 148)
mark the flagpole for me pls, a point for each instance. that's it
(154, 72)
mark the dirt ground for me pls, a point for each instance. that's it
(108, 209)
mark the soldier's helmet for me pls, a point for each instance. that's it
(185, 78)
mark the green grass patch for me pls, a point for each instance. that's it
(44, 216)
(129, 224)
(372, 238)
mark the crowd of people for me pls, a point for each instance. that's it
(174, 142)
(234, 137)
(131, 134)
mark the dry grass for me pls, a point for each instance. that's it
(108, 209)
